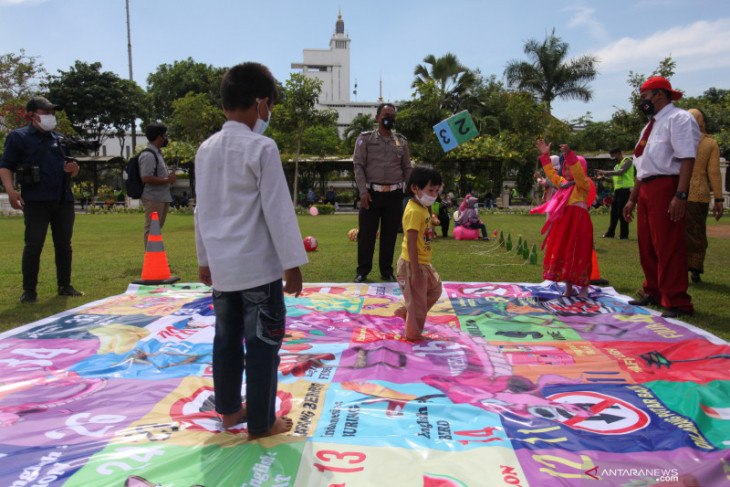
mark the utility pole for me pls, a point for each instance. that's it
(131, 77)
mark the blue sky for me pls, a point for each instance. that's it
(388, 38)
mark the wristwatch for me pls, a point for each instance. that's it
(682, 195)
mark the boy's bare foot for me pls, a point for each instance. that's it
(281, 425)
(583, 294)
(231, 420)
(401, 312)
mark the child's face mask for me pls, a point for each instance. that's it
(260, 126)
(425, 199)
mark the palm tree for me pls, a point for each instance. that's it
(453, 79)
(361, 123)
(549, 76)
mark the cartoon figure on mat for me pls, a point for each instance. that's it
(135, 481)
(605, 329)
(395, 400)
(513, 393)
(535, 355)
(141, 357)
(297, 364)
(656, 359)
(60, 387)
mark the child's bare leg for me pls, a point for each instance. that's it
(414, 330)
(583, 292)
(568, 290)
(231, 420)
(401, 312)
(281, 425)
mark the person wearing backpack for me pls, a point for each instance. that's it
(157, 180)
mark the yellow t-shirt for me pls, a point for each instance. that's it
(416, 217)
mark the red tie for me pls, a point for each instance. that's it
(644, 137)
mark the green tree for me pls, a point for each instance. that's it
(453, 79)
(19, 75)
(548, 75)
(665, 69)
(626, 125)
(715, 104)
(194, 118)
(295, 113)
(361, 123)
(98, 103)
(173, 81)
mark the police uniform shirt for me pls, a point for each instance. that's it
(28, 145)
(381, 159)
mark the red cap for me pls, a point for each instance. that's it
(659, 83)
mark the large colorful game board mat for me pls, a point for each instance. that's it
(513, 385)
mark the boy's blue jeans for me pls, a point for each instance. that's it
(258, 316)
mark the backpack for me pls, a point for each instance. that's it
(134, 184)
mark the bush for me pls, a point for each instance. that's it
(345, 197)
(325, 209)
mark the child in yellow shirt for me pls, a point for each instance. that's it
(418, 280)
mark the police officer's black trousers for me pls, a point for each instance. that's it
(38, 215)
(386, 211)
(620, 198)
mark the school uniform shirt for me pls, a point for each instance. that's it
(674, 136)
(416, 217)
(153, 164)
(246, 229)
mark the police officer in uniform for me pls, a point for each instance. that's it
(40, 159)
(623, 183)
(382, 166)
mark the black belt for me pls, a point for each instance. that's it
(650, 178)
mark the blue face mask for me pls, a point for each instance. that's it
(260, 126)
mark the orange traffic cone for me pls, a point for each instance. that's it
(155, 269)
(596, 278)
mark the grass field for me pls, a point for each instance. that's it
(108, 255)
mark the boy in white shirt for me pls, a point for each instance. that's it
(247, 237)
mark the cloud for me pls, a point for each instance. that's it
(584, 17)
(5, 3)
(698, 46)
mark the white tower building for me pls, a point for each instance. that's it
(332, 67)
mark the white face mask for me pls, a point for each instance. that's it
(425, 199)
(47, 122)
(260, 126)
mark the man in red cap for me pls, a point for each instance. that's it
(664, 158)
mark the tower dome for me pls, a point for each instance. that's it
(340, 24)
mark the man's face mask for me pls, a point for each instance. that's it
(47, 122)
(388, 122)
(647, 106)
